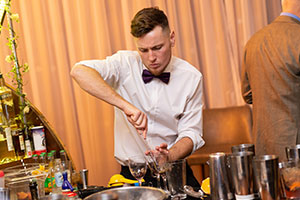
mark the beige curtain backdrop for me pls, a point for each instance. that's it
(55, 34)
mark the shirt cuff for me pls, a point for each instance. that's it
(196, 138)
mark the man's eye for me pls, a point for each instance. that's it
(157, 47)
(143, 50)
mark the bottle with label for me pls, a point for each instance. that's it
(7, 153)
(33, 186)
(7, 102)
(58, 171)
(54, 153)
(28, 142)
(35, 158)
(1, 179)
(49, 182)
(18, 142)
(7, 118)
(43, 161)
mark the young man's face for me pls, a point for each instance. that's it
(155, 49)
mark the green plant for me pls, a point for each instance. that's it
(17, 70)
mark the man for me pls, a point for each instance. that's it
(167, 112)
(271, 81)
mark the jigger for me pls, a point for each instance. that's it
(219, 181)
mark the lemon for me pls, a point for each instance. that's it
(205, 186)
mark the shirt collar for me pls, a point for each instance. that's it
(290, 15)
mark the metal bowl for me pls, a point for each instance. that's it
(130, 193)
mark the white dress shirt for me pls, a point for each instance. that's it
(174, 110)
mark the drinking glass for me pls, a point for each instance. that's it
(162, 167)
(138, 167)
(176, 175)
(152, 165)
(293, 152)
(290, 177)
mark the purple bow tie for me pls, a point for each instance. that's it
(147, 76)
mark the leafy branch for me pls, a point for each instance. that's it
(17, 70)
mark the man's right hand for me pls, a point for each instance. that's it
(91, 81)
(137, 118)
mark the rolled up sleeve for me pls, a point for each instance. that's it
(191, 122)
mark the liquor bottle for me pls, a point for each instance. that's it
(28, 142)
(7, 153)
(18, 142)
(54, 153)
(1, 179)
(43, 161)
(58, 171)
(8, 120)
(65, 163)
(7, 102)
(49, 182)
(33, 186)
(35, 158)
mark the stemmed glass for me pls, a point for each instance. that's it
(158, 166)
(138, 167)
(162, 167)
(152, 165)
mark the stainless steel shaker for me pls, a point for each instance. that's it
(242, 174)
(219, 181)
(266, 175)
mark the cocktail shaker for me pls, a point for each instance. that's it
(266, 175)
(242, 174)
(219, 181)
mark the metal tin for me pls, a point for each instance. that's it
(39, 139)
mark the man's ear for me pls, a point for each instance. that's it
(172, 38)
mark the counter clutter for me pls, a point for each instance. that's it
(239, 175)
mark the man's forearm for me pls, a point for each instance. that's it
(181, 149)
(91, 81)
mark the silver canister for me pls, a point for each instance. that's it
(219, 181)
(266, 175)
(242, 174)
(242, 148)
(84, 177)
(293, 152)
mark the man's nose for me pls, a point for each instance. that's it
(152, 56)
